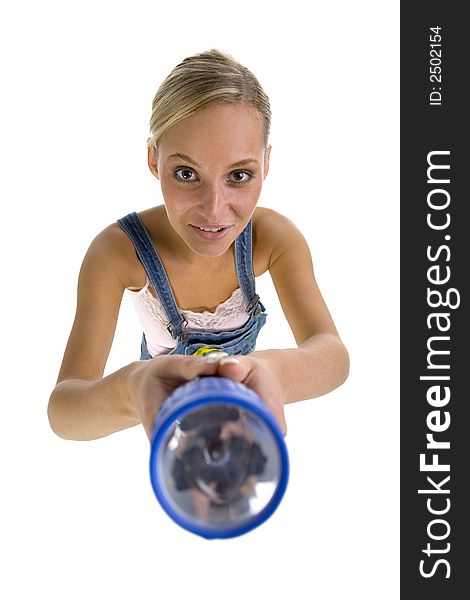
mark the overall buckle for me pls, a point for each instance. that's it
(253, 303)
(171, 329)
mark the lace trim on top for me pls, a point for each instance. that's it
(228, 315)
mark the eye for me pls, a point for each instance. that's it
(185, 176)
(239, 176)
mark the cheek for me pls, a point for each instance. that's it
(174, 195)
(251, 194)
(168, 186)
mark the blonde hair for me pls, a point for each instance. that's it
(203, 79)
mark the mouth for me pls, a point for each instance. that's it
(214, 233)
(212, 228)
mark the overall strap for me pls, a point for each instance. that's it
(244, 264)
(132, 225)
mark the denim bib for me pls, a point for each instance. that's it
(235, 341)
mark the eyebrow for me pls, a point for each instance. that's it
(240, 163)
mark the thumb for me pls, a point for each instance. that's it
(233, 368)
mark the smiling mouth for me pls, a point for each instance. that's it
(211, 229)
(211, 235)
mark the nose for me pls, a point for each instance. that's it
(213, 203)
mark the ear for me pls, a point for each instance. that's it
(152, 159)
(267, 154)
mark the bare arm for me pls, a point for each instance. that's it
(86, 410)
(316, 367)
(83, 405)
(320, 363)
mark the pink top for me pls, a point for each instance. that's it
(231, 314)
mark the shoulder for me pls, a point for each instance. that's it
(112, 254)
(276, 232)
(111, 241)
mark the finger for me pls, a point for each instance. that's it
(270, 393)
(198, 365)
(239, 369)
(234, 368)
(176, 369)
(275, 406)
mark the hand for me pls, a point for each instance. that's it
(151, 381)
(256, 374)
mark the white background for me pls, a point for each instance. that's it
(79, 519)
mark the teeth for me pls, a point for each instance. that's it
(213, 230)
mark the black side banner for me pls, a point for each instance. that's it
(435, 340)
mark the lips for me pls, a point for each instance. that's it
(212, 226)
(209, 235)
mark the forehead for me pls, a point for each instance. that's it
(219, 130)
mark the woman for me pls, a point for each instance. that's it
(194, 289)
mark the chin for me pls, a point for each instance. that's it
(216, 252)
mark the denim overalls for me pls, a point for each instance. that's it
(236, 341)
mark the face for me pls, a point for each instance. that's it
(211, 167)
